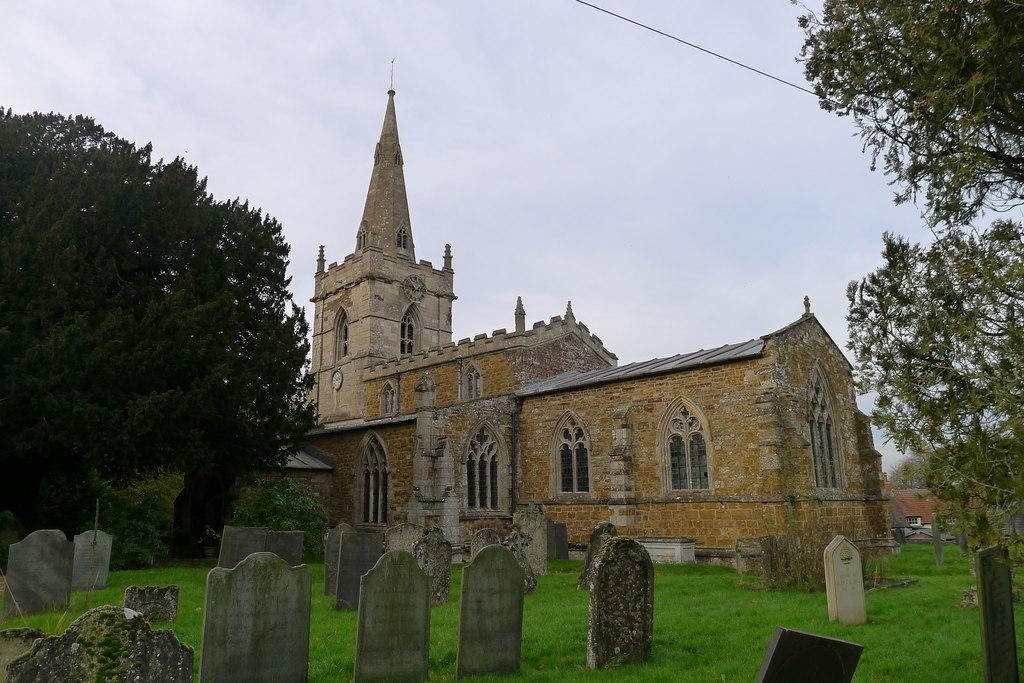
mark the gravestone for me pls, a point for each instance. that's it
(393, 628)
(91, 565)
(106, 644)
(288, 545)
(940, 556)
(481, 539)
(491, 614)
(331, 556)
(256, 622)
(598, 537)
(798, 657)
(39, 571)
(558, 541)
(357, 553)
(995, 601)
(844, 582)
(961, 541)
(621, 624)
(239, 542)
(534, 524)
(434, 556)
(14, 642)
(402, 537)
(518, 543)
(155, 603)
(899, 535)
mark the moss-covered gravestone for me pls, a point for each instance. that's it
(491, 614)
(621, 624)
(357, 554)
(393, 629)
(331, 556)
(598, 537)
(256, 622)
(481, 539)
(106, 644)
(434, 555)
(155, 603)
(92, 560)
(39, 571)
(519, 544)
(402, 537)
(14, 642)
(535, 524)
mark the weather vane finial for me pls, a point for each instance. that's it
(393, 72)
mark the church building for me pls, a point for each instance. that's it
(695, 451)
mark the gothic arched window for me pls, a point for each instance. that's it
(361, 238)
(685, 449)
(402, 238)
(824, 456)
(474, 382)
(482, 471)
(372, 482)
(408, 333)
(573, 454)
(388, 400)
(341, 335)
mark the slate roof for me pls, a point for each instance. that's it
(656, 366)
(307, 457)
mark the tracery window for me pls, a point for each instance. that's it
(402, 238)
(573, 457)
(474, 382)
(482, 471)
(341, 335)
(688, 452)
(824, 456)
(373, 471)
(361, 238)
(388, 400)
(408, 333)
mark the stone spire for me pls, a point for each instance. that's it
(385, 221)
(520, 315)
(321, 261)
(569, 315)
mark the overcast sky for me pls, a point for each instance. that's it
(680, 202)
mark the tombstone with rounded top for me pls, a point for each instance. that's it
(393, 628)
(621, 624)
(331, 556)
(598, 537)
(239, 542)
(39, 569)
(402, 537)
(357, 553)
(535, 524)
(91, 565)
(844, 582)
(256, 621)
(155, 603)
(491, 614)
(519, 543)
(434, 554)
(481, 539)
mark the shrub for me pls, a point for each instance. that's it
(139, 517)
(283, 505)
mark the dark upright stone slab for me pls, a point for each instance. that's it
(798, 657)
(598, 537)
(288, 545)
(491, 614)
(961, 540)
(558, 541)
(621, 624)
(239, 542)
(995, 602)
(39, 571)
(92, 560)
(331, 557)
(256, 622)
(357, 553)
(940, 556)
(393, 629)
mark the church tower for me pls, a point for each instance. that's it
(380, 302)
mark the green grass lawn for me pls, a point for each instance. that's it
(708, 626)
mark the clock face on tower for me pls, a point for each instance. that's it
(414, 288)
(337, 379)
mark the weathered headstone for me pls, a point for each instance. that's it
(795, 656)
(899, 535)
(155, 603)
(393, 629)
(39, 571)
(844, 582)
(357, 553)
(239, 542)
(14, 642)
(256, 622)
(995, 600)
(481, 539)
(331, 556)
(434, 555)
(940, 555)
(288, 545)
(91, 565)
(558, 541)
(961, 541)
(621, 624)
(106, 644)
(402, 537)
(491, 614)
(519, 543)
(598, 537)
(534, 524)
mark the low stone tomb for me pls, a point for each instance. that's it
(155, 603)
(393, 627)
(491, 614)
(15, 642)
(239, 542)
(598, 537)
(621, 624)
(402, 537)
(844, 582)
(795, 656)
(288, 545)
(558, 541)
(434, 555)
(357, 553)
(39, 569)
(256, 622)
(91, 565)
(106, 644)
(481, 539)
(533, 523)
(518, 543)
(331, 556)
(995, 600)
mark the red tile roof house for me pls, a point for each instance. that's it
(912, 508)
